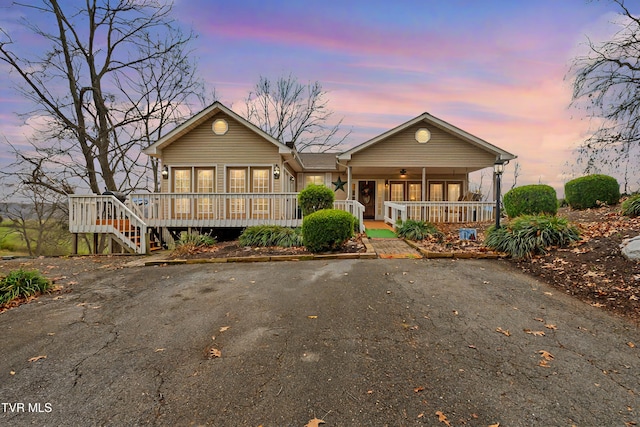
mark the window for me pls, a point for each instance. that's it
(313, 179)
(260, 184)
(182, 184)
(220, 126)
(204, 184)
(397, 191)
(237, 184)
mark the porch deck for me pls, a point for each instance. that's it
(144, 212)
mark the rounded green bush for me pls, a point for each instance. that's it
(327, 229)
(631, 206)
(591, 191)
(314, 198)
(531, 200)
(531, 234)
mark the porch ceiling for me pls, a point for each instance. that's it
(412, 172)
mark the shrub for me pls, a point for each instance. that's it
(22, 283)
(631, 206)
(417, 230)
(591, 191)
(528, 235)
(270, 235)
(190, 243)
(327, 229)
(314, 198)
(530, 200)
(195, 239)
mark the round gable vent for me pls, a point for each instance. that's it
(220, 126)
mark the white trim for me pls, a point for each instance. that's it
(434, 121)
(156, 148)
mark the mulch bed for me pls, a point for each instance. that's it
(231, 249)
(594, 269)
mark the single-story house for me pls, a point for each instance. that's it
(219, 171)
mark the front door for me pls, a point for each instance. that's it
(367, 196)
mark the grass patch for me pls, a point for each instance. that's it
(22, 284)
(380, 233)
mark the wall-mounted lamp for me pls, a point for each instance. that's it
(403, 172)
(276, 172)
(165, 172)
(291, 178)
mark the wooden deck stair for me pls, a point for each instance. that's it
(130, 232)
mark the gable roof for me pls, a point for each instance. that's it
(441, 124)
(155, 149)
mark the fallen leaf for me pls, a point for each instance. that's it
(312, 317)
(495, 425)
(548, 293)
(545, 354)
(214, 352)
(224, 328)
(544, 364)
(503, 332)
(539, 319)
(630, 344)
(551, 326)
(314, 423)
(534, 333)
(421, 415)
(455, 312)
(35, 359)
(158, 350)
(12, 373)
(418, 389)
(442, 418)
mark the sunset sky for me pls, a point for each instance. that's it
(495, 68)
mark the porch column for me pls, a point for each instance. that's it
(424, 184)
(349, 195)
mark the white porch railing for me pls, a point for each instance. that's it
(107, 215)
(452, 212)
(394, 212)
(216, 209)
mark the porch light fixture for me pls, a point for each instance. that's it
(403, 172)
(165, 172)
(498, 169)
(276, 172)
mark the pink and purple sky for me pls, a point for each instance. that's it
(495, 68)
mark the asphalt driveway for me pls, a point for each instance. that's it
(351, 342)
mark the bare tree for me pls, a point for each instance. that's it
(294, 113)
(40, 219)
(606, 84)
(115, 75)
